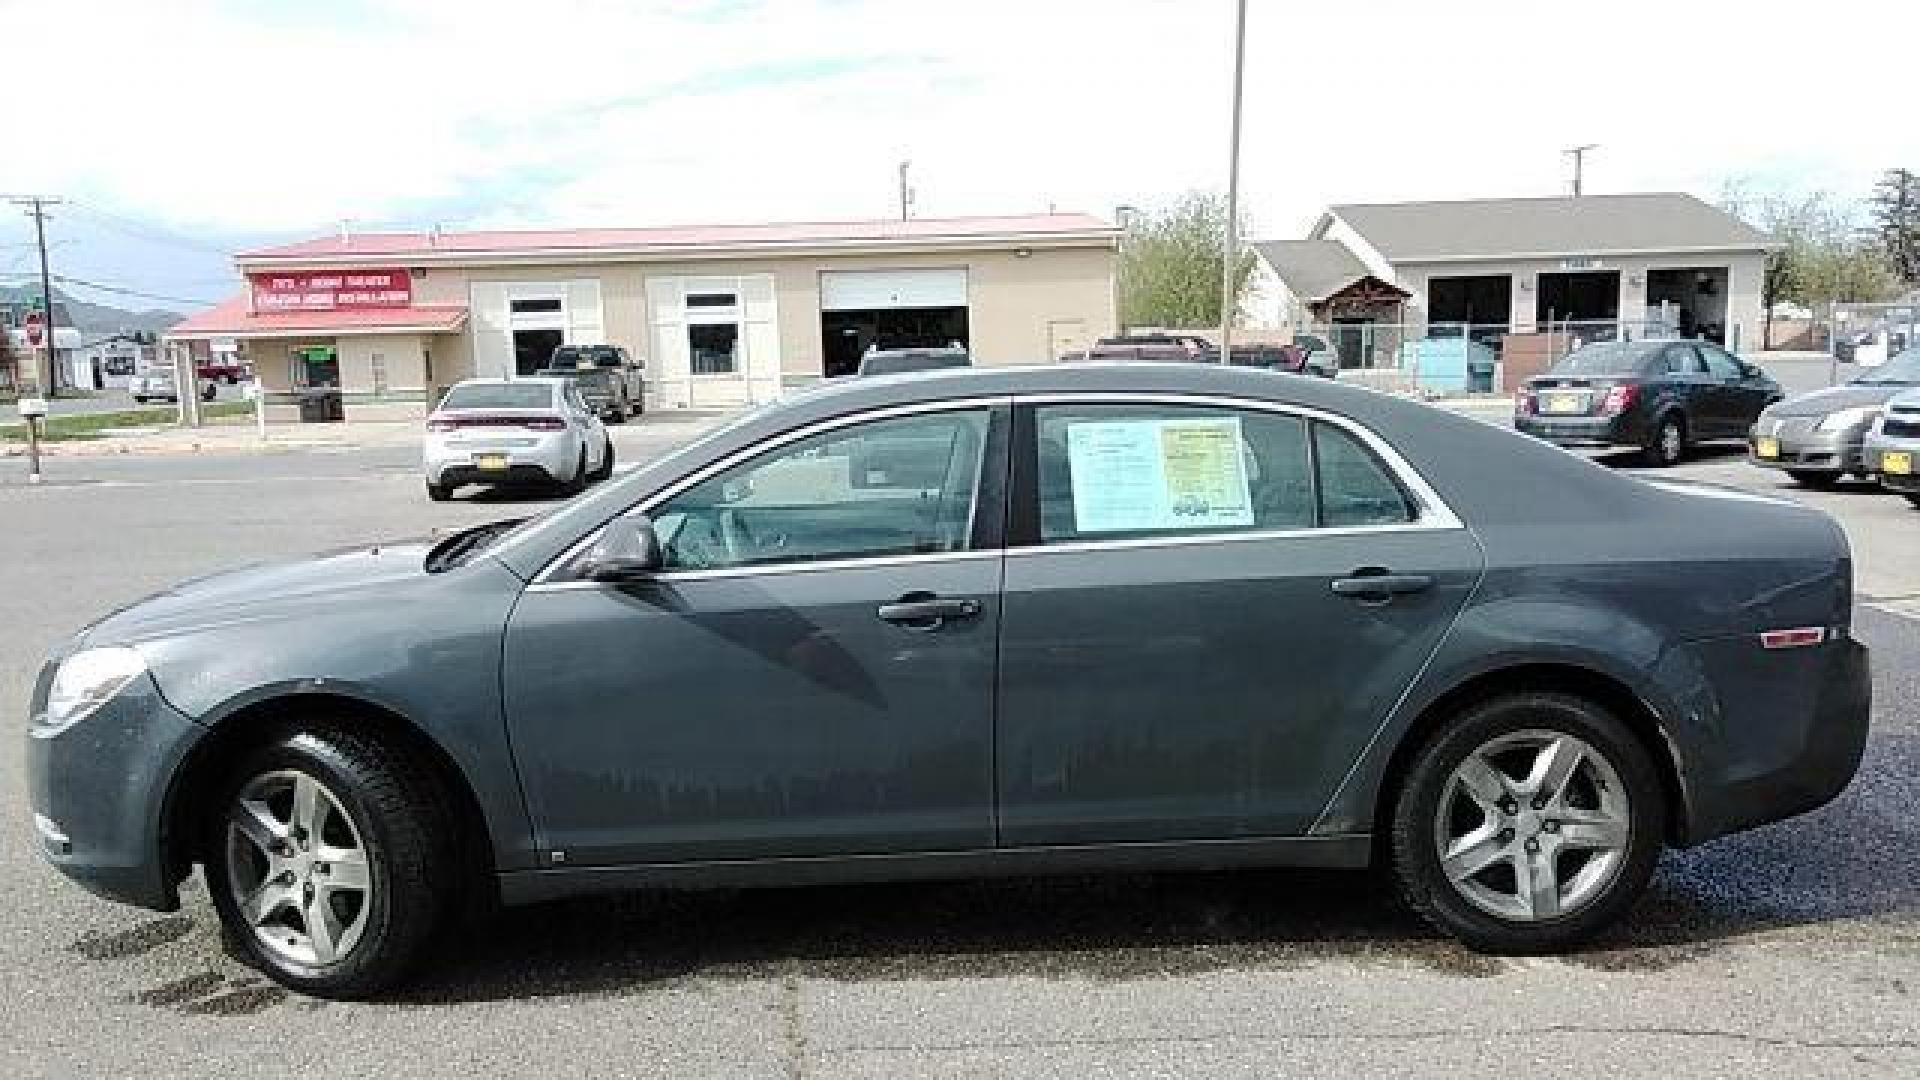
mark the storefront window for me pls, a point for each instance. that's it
(715, 348)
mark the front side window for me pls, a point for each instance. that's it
(902, 486)
(1107, 472)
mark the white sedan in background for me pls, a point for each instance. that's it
(507, 431)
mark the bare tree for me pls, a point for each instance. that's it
(1170, 264)
(1824, 255)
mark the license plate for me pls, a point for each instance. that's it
(490, 462)
(1566, 403)
(1896, 463)
(1766, 448)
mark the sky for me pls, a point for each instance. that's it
(178, 132)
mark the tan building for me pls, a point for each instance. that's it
(720, 317)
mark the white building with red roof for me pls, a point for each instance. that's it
(720, 317)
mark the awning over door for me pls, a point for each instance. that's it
(869, 290)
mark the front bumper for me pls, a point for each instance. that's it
(98, 791)
(1875, 453)
(1808, 450)
(1788, 732)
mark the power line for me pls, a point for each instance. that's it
(142, 231)
(122, 291)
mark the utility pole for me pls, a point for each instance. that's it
(1579, 155)
(38, 212)
(906, 193)
(1230, 254)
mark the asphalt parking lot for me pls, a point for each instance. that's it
(1795, 948)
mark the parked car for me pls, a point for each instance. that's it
(500, 431)
(1818, 438)
(159, 384)
(609, 379)
(1893, 446)
(1290, 358)
(895, 361)
(1661, 396)
(1054, 651)
(216, 372)
(1150, 349)
(1321, 359)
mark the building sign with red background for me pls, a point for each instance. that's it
(332, 290)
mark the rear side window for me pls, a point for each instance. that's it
(1107, 472)
(1355, 488)
(1684, 360)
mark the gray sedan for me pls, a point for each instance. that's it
(974, 622)
(1819, 438)
(1893, 446)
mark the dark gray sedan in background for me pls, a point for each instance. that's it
(976, 622)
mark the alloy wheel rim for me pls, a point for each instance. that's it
(1670, 440)
(297, 869)
(1532, 826)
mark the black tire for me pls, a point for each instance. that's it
(606, 463)
(1416, 857)
(1913, 497)
(139, 399)
(577, 483)
(1667, 444)
(438, 492)
(208, 391)
(1819, 481)
(399, 813)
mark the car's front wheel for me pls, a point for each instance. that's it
(327, 862)
(1528, 824)
(439, 492)
(1914, 498)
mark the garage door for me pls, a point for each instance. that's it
(873, 290)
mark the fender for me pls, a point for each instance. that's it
(1510, 634)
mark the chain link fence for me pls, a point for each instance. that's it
(1451, 358)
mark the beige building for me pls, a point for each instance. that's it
(719, 317)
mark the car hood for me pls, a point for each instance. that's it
(264, 592)
(1835, 398)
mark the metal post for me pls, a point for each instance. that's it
(1229, 255)
(1833, 342)
(37, 210)
(33, 449)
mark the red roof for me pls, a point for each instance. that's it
(230, 319)
(387, 245)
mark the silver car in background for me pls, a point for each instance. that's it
(1893, 446)
(505, 431)
(1820, 437)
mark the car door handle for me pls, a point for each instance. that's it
(925, 611)
(1379, 587)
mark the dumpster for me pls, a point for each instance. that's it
(321, 405)
(1479, 376)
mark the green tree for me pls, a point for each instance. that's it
(1896, 217)
(1823, 256)
(1170, 263)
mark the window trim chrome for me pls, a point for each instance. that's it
(1432, 514)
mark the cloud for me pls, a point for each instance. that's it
(234, 119)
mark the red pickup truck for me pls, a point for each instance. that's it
(215, 371)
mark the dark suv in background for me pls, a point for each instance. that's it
(1660, 396)
(612, 383)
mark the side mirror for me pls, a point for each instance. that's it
(627, 549)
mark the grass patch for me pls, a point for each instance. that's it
(90, 425)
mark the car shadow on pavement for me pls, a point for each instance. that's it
(1825, 868)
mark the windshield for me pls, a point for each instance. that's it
(499, 396)
(1902, 370)
(570, 356)
(1607, 358)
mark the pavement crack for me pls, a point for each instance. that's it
(793, 1036)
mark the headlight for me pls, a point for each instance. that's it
(1846, 418)
(85, 681)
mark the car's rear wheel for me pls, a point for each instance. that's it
(439, 492)
(577, 483)
(1528, 824)
(1667, 446)
(327, 862)
(1818, 480)
(140, 399)
(1914, 498)
(208, 391)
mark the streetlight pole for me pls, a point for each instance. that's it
(1230, 254)
(1579, 155)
